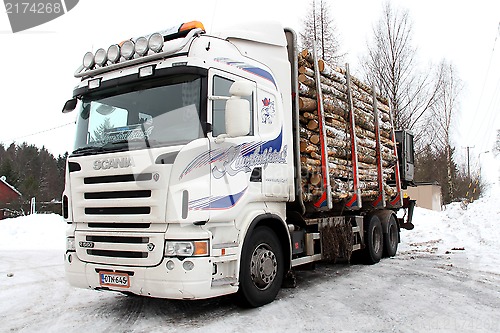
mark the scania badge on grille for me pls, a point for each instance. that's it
(151, 247)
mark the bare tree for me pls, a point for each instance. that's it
(319, 26)
(444, 112)
(391, 65)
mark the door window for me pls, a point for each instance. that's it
(221, 88)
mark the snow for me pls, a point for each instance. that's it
(33, 232)
(474, 229)
(445, 277)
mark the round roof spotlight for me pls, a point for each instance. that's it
(127, 49)
(101, 57)
(88, 60)
(114, 53)
(141, 46)
(156, 42)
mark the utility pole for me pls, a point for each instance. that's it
(468, 161)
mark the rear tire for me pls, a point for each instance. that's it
(391, 239)
(262, 268)
(373, 241)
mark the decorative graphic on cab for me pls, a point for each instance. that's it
(26, 14)
(248, 68)
(240, 158)
(216, 203)
(268, 111)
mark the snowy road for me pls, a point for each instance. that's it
(416, 291)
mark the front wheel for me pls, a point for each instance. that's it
(261, 269)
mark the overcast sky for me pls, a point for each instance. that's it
(37, 66)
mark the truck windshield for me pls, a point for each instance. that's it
(154, 114)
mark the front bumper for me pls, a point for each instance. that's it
(159, 281)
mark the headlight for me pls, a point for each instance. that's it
(101, 57)
(186, 248)
(114, 53)
(88, 60)
(156, 42)
(127, 49)
(70, 244)
(141, 46)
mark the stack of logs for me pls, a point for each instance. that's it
(337, 125)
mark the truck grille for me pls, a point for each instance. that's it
(120, 212)
(126, 249)
(119, 198)
(118, 178)
(118, 194)
(117, 210)
(117, 254)
(119, 225)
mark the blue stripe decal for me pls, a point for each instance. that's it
(260, 72)
(216, 203)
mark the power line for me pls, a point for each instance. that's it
(486, 123)
(496, 37)
(43, 131)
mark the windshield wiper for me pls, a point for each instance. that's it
(88, 149)
(109, 146)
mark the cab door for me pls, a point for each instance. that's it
(231, 162)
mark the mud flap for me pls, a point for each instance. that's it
(289, 281)
(408, 225)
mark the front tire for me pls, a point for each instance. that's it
(262, 268)
(374, 241)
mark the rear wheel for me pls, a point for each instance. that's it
(262, 268)
(391, 239)
(373, 241)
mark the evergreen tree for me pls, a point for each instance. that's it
(99, 133)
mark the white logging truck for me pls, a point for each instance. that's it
(207, 165)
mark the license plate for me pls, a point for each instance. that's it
(113, 279)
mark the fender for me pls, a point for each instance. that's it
(277, 224)
(384, 216)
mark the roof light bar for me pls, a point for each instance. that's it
(135, 49)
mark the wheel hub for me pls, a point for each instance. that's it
(264, 267)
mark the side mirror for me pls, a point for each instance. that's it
(237, 117)
(69, 106)
(237, 114)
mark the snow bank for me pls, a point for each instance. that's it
(473, 232)
(33, 232)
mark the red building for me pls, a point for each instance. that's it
(7, 194)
